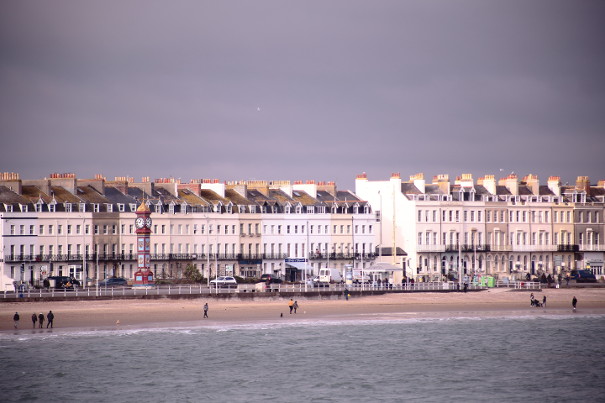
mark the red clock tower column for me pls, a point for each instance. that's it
(143, 276)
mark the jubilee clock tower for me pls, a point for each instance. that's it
(143, 275)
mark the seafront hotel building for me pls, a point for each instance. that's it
(511, 227)
(507, 228)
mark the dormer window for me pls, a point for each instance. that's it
(109, 207)
(311, 209)
(366, 209)
(121, 207)
(334, 209)
(8, 208)
(252, 209)
(288, 209)
(298, 209)
(96, 208)
(171, 208)
(24, 208)
(356, 209)
(241, 209)
(38, 207)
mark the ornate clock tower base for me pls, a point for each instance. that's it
(143, 276)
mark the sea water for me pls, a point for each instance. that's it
(522, 359)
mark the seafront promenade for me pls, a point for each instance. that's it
(247, 291)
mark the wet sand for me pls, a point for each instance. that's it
(134, 314)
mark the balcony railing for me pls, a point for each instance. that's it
(468, 248)
(568, 248)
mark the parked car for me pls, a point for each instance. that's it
(583, 276)
(272, 278)
(314, 282)
(224, 281)
(63, 282)
(113, 282)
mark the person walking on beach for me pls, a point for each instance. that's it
(291, 305)
(346, 292)
(574, 302)
(295, 306)
(16, 319)
(41, 319)
(50, 316)
(544, 301)
(34, 320)
(206, 310)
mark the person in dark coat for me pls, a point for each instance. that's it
(41, 319)
(50, 316)
(16, 319)
(574, 302)
(34, 320)
(206, 310)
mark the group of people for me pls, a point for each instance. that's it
(293, 305)
(535, 302)
(37, 319)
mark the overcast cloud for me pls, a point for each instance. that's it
(302, 90)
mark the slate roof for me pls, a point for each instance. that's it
(191, 198)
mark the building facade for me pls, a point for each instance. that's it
(508, 228)
(85, 228)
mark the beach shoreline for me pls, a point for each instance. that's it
(140, 314)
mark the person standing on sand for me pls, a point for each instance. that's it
(544, 301)
(206, 310)
(574, 302)
(295, 306)
(16, 319)
(34, 320)
(291, 305)
(41, 319)
(50, 316)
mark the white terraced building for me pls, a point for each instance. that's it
(84, 228)
(507, 228)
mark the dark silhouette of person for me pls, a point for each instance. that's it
(16, 319)
(50, 316)
(41, 319)
(34, 320)
(206, 310)
(574, 302)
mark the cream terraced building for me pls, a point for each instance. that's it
(84, 228)
(508, 228)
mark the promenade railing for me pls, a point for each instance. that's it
(204, 289)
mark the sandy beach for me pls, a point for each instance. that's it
(134, 314)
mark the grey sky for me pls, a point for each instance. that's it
(159, 89)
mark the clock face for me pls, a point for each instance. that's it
(148, 222)
(139, 222)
